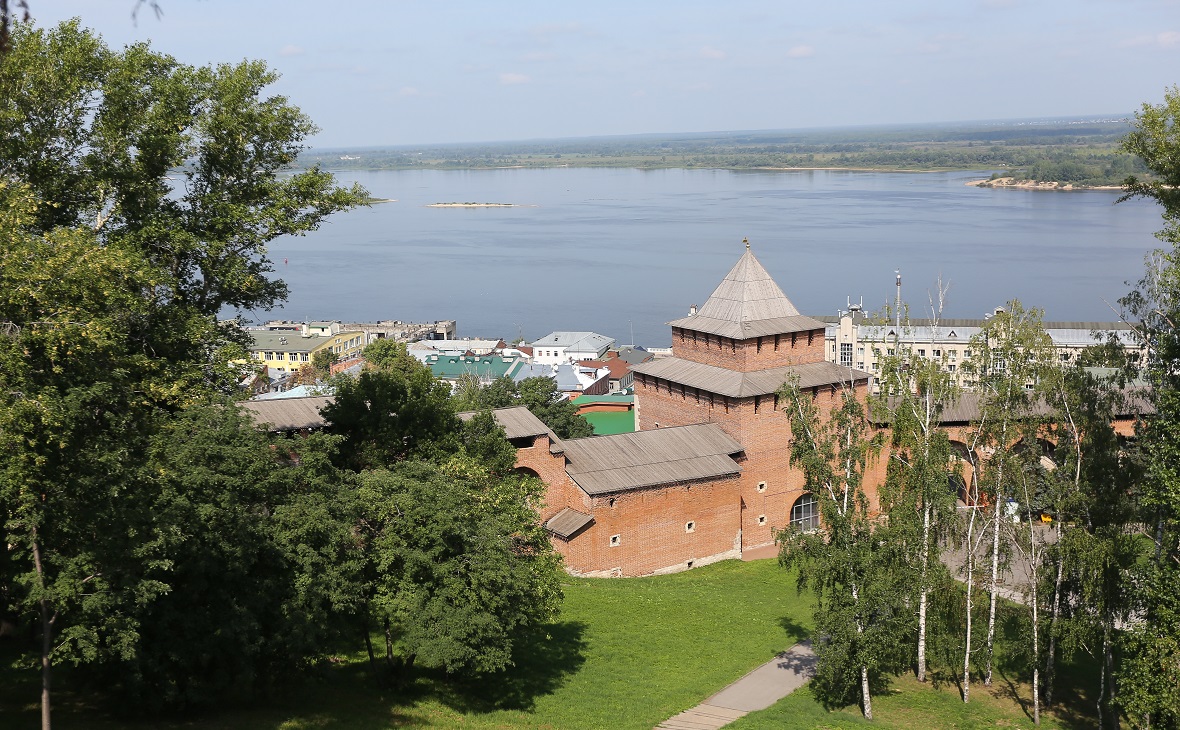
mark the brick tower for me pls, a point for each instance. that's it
(728, 360)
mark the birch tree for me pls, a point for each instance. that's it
(853, 566)
(1012, 355)
(915, 391)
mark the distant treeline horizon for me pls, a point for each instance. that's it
(1083, 151)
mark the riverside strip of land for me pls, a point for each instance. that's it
(1038, 154)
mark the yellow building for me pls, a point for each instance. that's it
(287, 350)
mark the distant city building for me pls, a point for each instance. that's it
(854, 340)
(288, 350)
(458, 347)
(391, 329)
(564, 347)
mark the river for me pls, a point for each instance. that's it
(622, 251)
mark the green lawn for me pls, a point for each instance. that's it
(625, 653)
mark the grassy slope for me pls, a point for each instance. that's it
(625, 653)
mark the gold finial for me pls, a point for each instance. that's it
(747, 242)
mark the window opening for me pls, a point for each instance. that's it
(805, 513)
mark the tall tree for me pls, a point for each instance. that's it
(916, 496)
(1013, 357)
(1149, 680)
(853, 567)
(112, 281)
(394, 410)
(459, 566)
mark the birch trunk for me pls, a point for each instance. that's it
(864, 688)
(991, 615)
(970, 561)
(1050, 660)
(922, 601)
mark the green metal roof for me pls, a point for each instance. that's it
(610, 398)
(485, 367)
(608, 423)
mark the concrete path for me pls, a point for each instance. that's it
(757, 690)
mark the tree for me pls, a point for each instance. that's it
(1149, 679)
(112, 281)
(394, 410)
(915, 391)
(459, 565)
(852, 566)
(1014, 358)
(540, 395)
(254, 543)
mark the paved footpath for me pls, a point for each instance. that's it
(757, 690)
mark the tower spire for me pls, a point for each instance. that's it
(747, 242)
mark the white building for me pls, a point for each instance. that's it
(562, 347)
(858, 341)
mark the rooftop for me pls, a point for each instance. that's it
(604, 464)
(736, 384)
(584, 341)
(747, 303)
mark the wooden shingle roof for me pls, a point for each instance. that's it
(747, 303)
(604, 464)
(746, 385)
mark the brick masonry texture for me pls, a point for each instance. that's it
(747, 356)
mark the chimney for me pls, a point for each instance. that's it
(692, 309)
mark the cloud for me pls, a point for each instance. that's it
(409, 91)
(1164, 39)
(539, 57)
(713, 54)
(511, 79)
(638, 94)
(801, 52)
(291, 50)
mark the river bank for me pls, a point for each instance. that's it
(1011, 182)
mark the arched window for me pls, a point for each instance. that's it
(805, 513)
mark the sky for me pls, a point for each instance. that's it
(392, 72)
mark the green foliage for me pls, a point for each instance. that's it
(111, 282)
(460, 565)
(856, 570)
(539, 395)
(254, 544)
(394, 410)
(1148, 679)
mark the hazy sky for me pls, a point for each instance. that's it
(388, 72)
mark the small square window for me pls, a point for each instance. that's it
(761, 486)
(690, 526)
(762, 519)
(616, 540)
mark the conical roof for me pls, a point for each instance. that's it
(747, 293)
(747, 303)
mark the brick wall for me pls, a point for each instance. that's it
(652, 530)
(758, 353)
(765, 432)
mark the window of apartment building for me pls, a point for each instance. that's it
(966, 354)
(921, 352)
(952, 354)
(292, 356)
(860, 352)
(270, 356)
(950, 368)
(889, 351)
(304, 357)
(846, 353)
(1065, 357)
(938, 353)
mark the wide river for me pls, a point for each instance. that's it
(622, 251)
